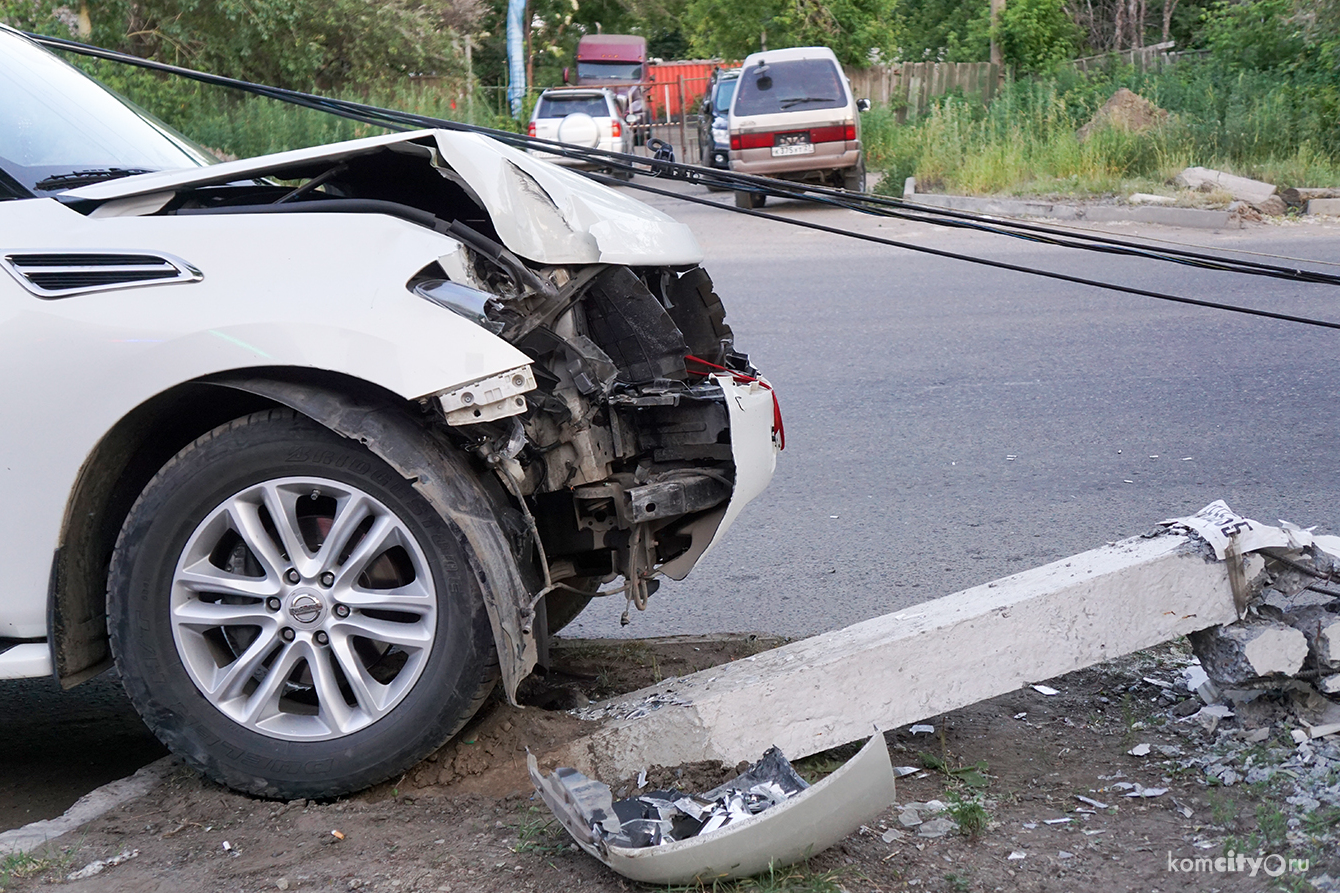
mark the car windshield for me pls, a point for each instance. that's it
(791, 85)
(60, 129)
(725, 90)
(610, 71)
(562, 106)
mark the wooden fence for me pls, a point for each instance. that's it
(910, 86)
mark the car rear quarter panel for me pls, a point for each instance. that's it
(313, 291)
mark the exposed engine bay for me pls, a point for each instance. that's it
(622, 452)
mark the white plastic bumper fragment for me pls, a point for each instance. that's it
(794, 829)
(485, 399)
(27, 660)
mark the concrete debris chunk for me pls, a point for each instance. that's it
(1247, 653)
(766, 816)
(1251, 191)
(1329, 684)
(1195, 679)
(1321, 628)
(1139, 750)
(101, 865)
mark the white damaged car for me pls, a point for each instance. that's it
(319, 447)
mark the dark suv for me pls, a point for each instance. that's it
(713, 127)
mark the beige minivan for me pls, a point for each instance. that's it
(794, 117)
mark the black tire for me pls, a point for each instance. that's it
(749, 199)
(853, 179)
(423, 594)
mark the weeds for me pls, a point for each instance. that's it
(536, 833)
(1272, 824)
(970, 814)
(798, 878)
(973, 775)
(1254, 124)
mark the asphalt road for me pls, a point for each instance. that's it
(949, 424)
(946, 425)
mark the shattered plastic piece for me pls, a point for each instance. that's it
(902, 771)
(1096, 804)
(1064, 855)
(891, 835)
(754, 833)
(1139, 750)
(1045, 690)
(642, 779)
(1147, 792)
(937, 827)
(1017, 855)
(909, 818)
(1056, 821)
(920, 728)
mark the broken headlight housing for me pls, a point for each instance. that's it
(459, 299)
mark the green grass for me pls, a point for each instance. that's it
(798, 878)
(1252, 124)
(17, 866)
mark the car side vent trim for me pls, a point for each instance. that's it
(61, 274)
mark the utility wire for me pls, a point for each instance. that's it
(881, 206)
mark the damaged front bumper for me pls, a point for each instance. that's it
(626, 448)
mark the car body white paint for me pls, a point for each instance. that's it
(277, 290)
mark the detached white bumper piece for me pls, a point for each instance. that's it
(800, 824)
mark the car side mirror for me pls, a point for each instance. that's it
(862, 105)
(565, 75)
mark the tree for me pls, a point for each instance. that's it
(1036, 35)
(858, 31)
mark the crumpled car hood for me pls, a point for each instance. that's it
(541, 211)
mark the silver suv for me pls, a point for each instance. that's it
(794, 117)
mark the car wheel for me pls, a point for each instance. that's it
(749, 199)
(853, 180)
(290, 616)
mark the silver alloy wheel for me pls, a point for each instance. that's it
(303, 608)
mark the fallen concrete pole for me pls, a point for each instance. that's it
(841, 686)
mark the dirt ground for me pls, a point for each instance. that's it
(467, 820)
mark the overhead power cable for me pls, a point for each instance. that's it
(881, 206)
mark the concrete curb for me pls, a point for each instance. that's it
(1007, 207)
(95, 803)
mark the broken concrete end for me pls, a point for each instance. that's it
(1248, 653)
